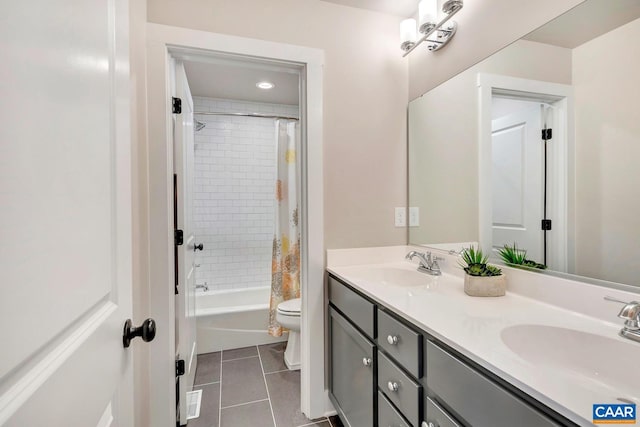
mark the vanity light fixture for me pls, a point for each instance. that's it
(265, 85)
(436, 33)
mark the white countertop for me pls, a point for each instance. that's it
(556, 368)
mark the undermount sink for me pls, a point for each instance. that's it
(390, 275)
(596, 357)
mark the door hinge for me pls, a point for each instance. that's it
(178, 237)
(176, 105)
(547, 134)
(546, 224)
(179, 368)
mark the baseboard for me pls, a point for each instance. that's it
(330, 410)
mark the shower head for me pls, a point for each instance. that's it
(199, 125)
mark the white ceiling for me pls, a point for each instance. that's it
(404, 8)
(586, 21)
(237, 80)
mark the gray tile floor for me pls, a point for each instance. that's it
(251, 386)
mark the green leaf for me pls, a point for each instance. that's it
(512, 254)
(472, 255)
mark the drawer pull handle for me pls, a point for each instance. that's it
(393, 386)
(392, 339)
(366, 361)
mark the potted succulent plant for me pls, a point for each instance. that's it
(481, 279)
(512, 255)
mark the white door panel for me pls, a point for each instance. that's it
(185, 300)
(517, 181)
(508, 176)
(65, 214)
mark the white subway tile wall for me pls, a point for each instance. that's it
(234, 193)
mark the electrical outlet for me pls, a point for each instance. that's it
(414, 216)
(401, 217)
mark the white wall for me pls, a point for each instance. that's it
(234, 210)
(605, 78)
(443, 139)
(365, 98)
(484, 27)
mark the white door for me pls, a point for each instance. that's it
(517, 181)
(65, 214)
(185, 299)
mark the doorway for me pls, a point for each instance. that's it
(234, 111)
(525, 168)
(520, 176)
(167, 44)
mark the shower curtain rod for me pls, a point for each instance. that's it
(264, 116)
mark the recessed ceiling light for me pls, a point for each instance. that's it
(265, 85)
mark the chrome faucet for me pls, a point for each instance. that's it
(428, 263)
(631, 315)
(204, 286)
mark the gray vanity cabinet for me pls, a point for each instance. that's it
(472, 396)
(386, 372)
(352, 380)
(352, 355)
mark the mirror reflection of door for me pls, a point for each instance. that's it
(518, 176)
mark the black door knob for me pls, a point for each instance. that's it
(147, 331)
(198, 247)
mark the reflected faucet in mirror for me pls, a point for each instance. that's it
(428, 263)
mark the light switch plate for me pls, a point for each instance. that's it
(401, 217)
(414, 216)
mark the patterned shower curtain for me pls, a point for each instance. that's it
(285, 263)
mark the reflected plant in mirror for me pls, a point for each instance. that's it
(514, 256)
(548, 129)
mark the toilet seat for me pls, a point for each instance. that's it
(290, 307)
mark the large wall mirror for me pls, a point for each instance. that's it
(539, 146)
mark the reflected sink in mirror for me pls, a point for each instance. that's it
(599, 358)
(403, 276)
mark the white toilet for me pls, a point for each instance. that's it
(288, 315)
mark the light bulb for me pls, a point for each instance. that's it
(408, 33)
(265, 85)
(428, 14)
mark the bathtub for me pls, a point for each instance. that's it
(232, 319)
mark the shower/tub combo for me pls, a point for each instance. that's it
(233, 318)
(235, 173)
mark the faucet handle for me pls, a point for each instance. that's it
(411, 254)
(630, 313)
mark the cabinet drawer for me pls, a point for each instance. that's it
(388, 416)
(437, 416)
(470, 394)
(405, 393)
(360, 311)
(401, 342)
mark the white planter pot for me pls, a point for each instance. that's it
(492, 286)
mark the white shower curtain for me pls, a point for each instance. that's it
(285, 265)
